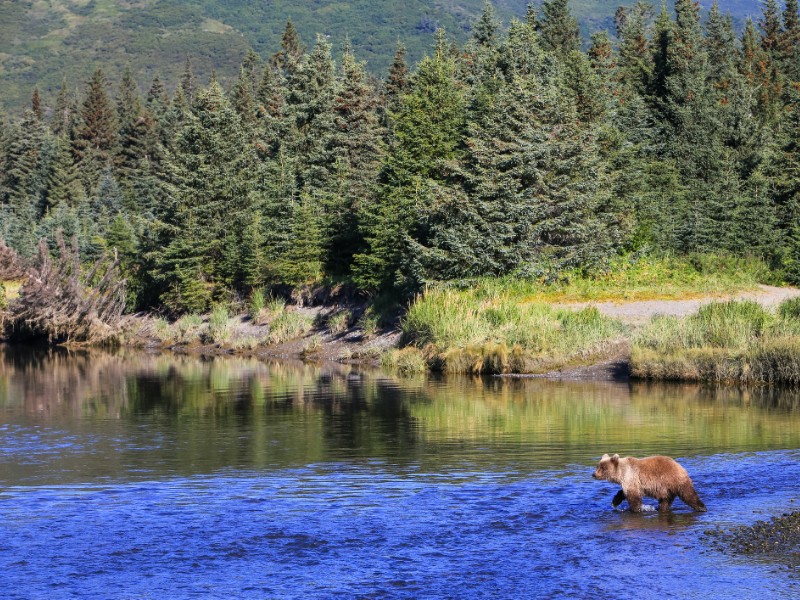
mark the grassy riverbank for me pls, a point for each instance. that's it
(734, 342)
(516, 326)
(480, 331)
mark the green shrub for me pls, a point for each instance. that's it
(339, 322)
(163, 331)
(258, 302)
(187, 328)
(368, 323)
(789, 309)
(218, 331)
(288, 325)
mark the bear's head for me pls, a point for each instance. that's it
(607, 467)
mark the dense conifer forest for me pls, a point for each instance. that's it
(516, 153)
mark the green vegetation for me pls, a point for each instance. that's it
(339, 322)
(737, 342)
(482, 331)
(289, 325)
(40, 46)
(515, 156)
(633, 278)
(508, 169)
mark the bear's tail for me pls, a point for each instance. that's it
(690, 497)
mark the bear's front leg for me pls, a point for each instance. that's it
(618, 499)
(634, 501)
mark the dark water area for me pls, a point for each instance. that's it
(161, 476)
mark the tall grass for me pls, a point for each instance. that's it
(219, 326)
(476, 331)
(187, 328)
(737, 341)
(289, 325)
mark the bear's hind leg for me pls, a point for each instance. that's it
(664, 504)
(689, 495)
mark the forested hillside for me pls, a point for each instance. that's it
(514, 153)
(41, 42)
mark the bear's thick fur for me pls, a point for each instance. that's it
(658, 477)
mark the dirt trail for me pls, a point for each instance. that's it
(639, 312)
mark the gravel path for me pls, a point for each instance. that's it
(638, 313)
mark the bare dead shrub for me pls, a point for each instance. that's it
(63, 304)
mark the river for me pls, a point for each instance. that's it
(132, 475)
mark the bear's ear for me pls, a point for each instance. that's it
(615, 458)
(604, 457)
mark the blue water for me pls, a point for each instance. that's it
(196, 504)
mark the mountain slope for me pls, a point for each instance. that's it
(43, 41)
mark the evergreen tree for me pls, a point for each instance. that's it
(485, 30)
(272, 121)
(770, 24)
(559, 28)
(187, 82)
(310, 95)
(720, 43)
(761, 73)
(786, 179)
(427, 136)
(292, 50)
(64, 182)
(243, 99)
(790, 41)
(23, 182)
(208, 171)
(635, 65)
(64, 112)
(357, 145)
(36, 104)
(397, 80)
(157, 100)
(96, 135)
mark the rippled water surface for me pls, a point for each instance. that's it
(138, 476)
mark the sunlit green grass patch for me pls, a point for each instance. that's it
(472, 331)
(736, 341)
(646, 278)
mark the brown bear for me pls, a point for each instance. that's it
(658, 477)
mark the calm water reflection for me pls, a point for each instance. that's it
(135, 475)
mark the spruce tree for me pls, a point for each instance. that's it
(427, 134)
(187, 82)
(64, 112)
(770, 24)
(790, 42)
(208, 183)
(635, 65)
(356, 143)
(559, 28)
(397, 80)
(292, 50)
(95, 139)
(720, 42)
(785, 176)
(36, 104)
(23, 182)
